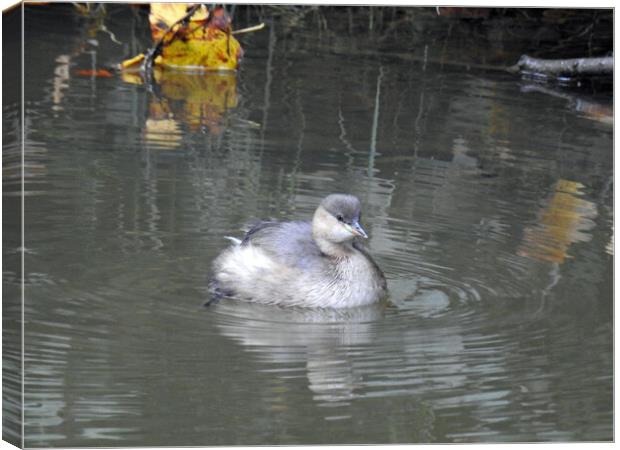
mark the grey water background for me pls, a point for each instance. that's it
(488, 201)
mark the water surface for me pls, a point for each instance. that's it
(488, 202)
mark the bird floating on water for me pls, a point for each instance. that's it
(311, 264)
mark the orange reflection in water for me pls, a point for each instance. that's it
(564, 219)
(197, 100)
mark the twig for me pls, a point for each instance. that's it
(250, 29)
(156, 50)
(112, 37)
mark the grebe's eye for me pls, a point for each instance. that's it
(340, 218)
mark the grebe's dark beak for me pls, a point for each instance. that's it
(357, 229)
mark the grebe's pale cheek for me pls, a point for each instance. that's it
(341, 232)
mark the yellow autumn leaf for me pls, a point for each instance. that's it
(132, 62)
(211, 50)
(205, 43)
(164, 15)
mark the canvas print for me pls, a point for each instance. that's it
(306, 224)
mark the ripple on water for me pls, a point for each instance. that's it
(353, 353)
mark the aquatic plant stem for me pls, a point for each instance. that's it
(375, 125)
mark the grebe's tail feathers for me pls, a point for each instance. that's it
(233, 239)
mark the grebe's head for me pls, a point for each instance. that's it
(337, 219)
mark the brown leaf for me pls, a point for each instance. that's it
(99, 73)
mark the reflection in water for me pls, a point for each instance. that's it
(430, 364)
(61, 77)
(160, 131)
(595, 110)
(564, 219)
(197, 100)
(59, 362)
(322, 339)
